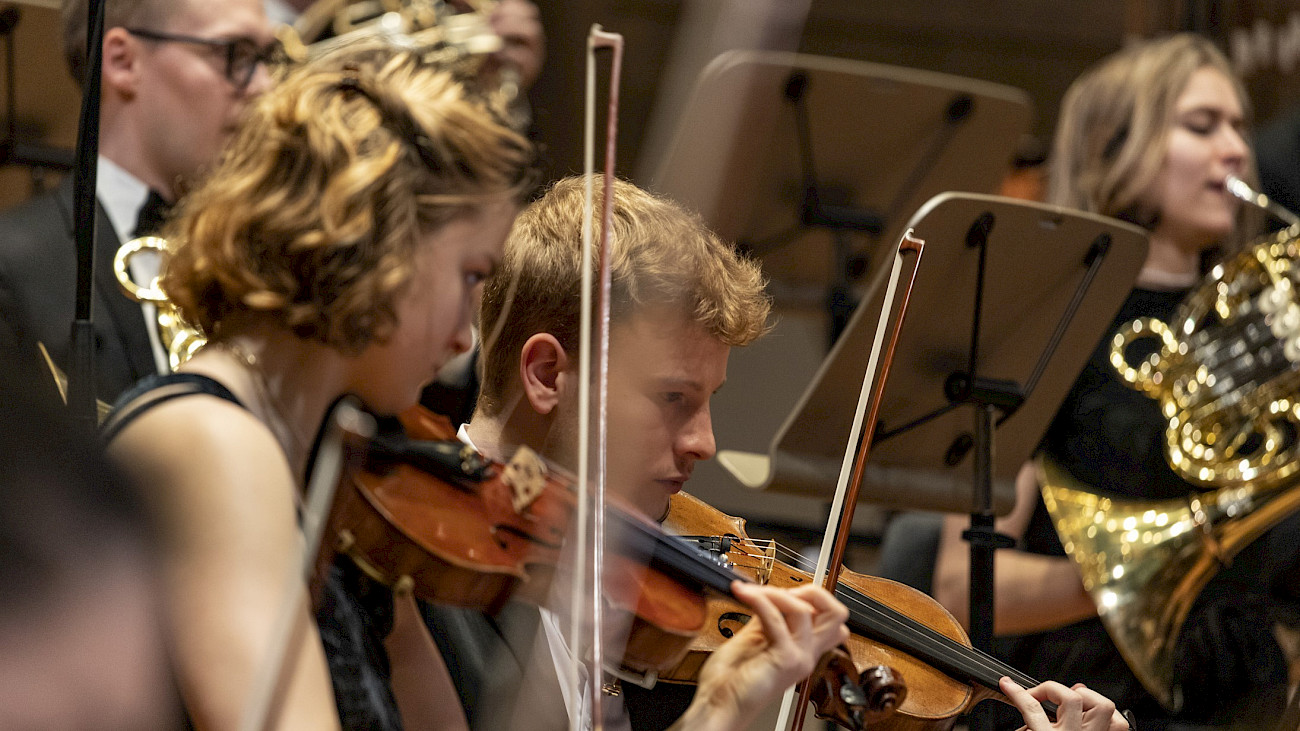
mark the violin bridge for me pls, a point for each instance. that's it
(768, 561)
(525, 475)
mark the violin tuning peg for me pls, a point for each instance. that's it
(885, 689)
(853, 700)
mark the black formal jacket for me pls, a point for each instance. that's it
(502, 668)
(38, 274)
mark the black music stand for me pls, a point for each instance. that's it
(1010, 300)
(814, 164)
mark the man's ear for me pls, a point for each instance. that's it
(121, 69)
(543, 371)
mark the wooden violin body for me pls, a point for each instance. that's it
(452, 530)
(934, 698)
(423, 513)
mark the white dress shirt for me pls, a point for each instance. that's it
(612, 707)
(123, 195)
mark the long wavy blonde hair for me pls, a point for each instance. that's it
(1114, 126)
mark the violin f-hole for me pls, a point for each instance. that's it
(729, 623)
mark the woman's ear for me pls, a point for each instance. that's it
(543, 371)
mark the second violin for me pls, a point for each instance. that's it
(892, 625)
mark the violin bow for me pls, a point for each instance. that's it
(591, 502)
(327, 466)
(831, 558)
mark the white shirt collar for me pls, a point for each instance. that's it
(121, 194)
(463, 434)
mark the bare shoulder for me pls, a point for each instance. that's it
(211, 467)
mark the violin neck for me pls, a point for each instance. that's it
(672, 554)
(871, 618)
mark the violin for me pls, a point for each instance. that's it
(423, 513)
(892, 625)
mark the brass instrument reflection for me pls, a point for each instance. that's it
(1227, 375)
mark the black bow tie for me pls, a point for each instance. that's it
(151, 216)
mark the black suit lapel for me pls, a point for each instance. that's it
(118, 321)
(538, 704)
(125, 313)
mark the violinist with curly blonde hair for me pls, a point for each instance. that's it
(335, 250)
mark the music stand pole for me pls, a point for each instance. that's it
(984, 540)
(81, 376)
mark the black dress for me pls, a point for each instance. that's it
(1229, 665)
(355, 613)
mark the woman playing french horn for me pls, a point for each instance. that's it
(1148, 135)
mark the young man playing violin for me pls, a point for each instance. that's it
(681, 299)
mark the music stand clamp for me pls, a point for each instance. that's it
(989, 396)
(982, 536)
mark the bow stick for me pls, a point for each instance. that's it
(831, 558)
(272, 677)
(591, 503)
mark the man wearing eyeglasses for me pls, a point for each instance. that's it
(176, 76)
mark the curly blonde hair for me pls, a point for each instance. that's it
(1113, 131)
(661, 255)
(313, 215)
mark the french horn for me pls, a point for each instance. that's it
(461, 41)
(428, 25)
(1226, 376)
(179, 338)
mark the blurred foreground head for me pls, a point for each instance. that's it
(81, 642)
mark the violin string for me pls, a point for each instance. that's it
(884, 618)
(934, 641)
(967, 660)
(976, 664)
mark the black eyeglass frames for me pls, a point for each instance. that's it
(242, 54)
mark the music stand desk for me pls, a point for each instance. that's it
(1035, 268)
(879, 141)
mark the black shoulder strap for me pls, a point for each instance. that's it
(156, 390)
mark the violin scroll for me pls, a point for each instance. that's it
(852, 700)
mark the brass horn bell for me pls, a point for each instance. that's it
(1144, 562)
